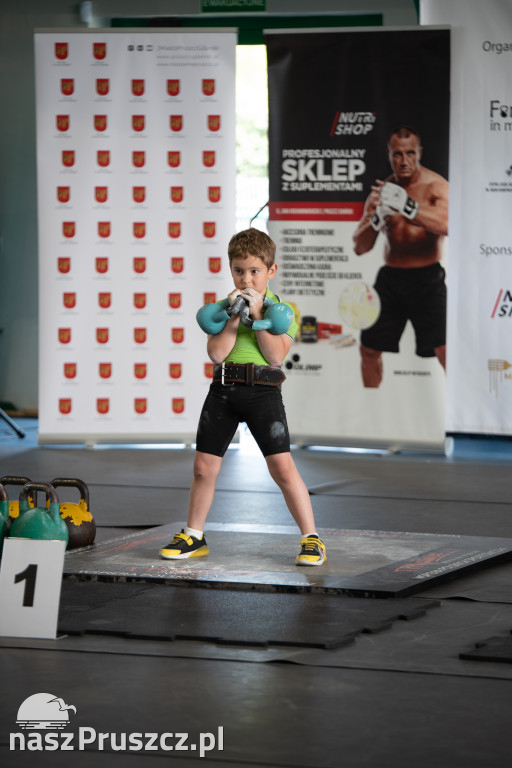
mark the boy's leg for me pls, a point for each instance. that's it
(202, 489)
(192, 543)
(284, 472)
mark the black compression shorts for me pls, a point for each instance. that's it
(260, 407)
(418, 295)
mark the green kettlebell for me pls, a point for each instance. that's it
(79, 520)
(39, 522)
(14, 505)
(5, 523)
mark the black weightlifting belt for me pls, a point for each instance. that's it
(248, 373)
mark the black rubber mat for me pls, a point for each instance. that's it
(494, 649)
(360, 563)
(242, 618)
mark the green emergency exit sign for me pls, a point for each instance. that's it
(233, 6)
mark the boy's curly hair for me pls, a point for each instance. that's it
(252, 242)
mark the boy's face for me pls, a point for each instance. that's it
(251, 272)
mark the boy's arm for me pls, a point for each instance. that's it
(220, 345)
(273, 348)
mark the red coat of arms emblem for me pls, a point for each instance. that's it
(105, 370)
(99, 50)
(173, 87)
(61, 51)
(70, 370)
(139, 264)
(67, 86)
(102, 335)
(65, 405)
(63, 123)
(100, 122)
(178, 404)
(68, 158)
(176, 122)
(69, 300)
(101, 194)
(103, 157)
(63, 194)
(138, 87)
(208, 86)
(104, 228)
(102, 86)
(101, 264)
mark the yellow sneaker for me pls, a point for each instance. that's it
(183, 546)
(312, 551)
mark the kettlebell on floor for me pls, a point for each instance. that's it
(39, 522)
(77, 517)
(14, 505)
(5, 523)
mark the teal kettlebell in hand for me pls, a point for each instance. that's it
(278, 318)
(213, 317)
(39, 522)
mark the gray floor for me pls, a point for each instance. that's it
(397, 698)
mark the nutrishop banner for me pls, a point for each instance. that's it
(136, 169)
(359, 125)
(479, 385)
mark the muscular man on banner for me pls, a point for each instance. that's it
(410, 208)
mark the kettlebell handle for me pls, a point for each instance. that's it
(3, 494)
(43, 487)
(14, 480)
(73, 483)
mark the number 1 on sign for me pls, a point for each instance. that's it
(28, 576)
(30, 583)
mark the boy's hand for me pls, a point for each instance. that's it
(255, 300)
(233, 296)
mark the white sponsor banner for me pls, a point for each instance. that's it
(479, 381)
(136, 172)
(329, 143)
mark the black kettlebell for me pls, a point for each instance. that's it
(78, 518)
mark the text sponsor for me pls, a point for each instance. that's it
(489, 47)
(495, 250)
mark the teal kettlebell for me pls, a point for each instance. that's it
(213, 317)
(39, 522)
(14, 505)
(277, 320)
(5, 523)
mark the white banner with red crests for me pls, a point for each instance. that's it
(136, 205)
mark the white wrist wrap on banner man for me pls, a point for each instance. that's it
(396, 197)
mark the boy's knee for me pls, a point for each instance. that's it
(281, 468)
(206, 466)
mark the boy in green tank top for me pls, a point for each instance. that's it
(246, 387)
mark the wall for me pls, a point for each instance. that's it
(18, 209)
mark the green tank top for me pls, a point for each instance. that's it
(246, 348)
